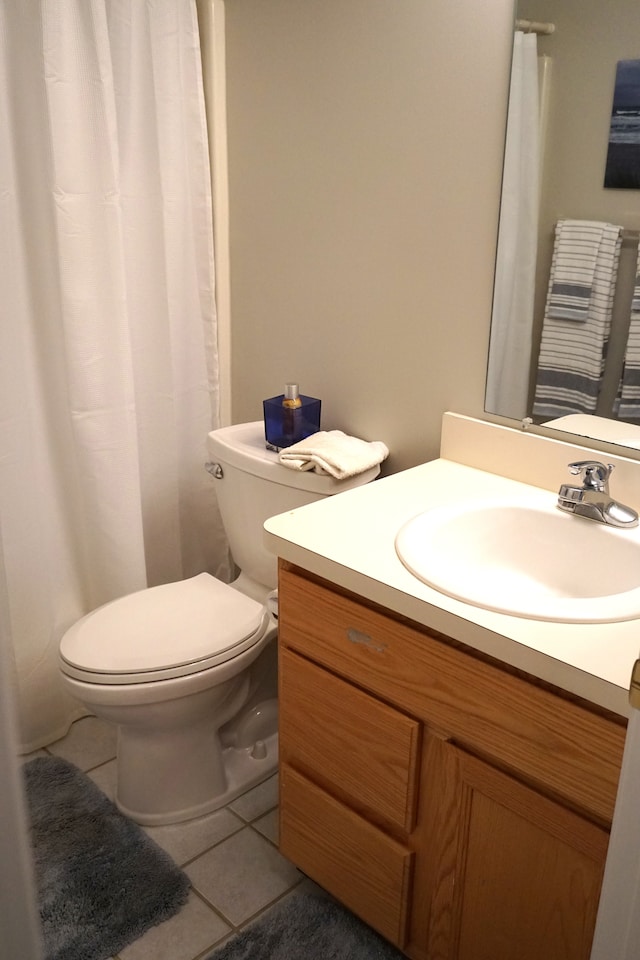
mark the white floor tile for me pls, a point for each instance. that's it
(24, 758)
(184, 841)
(257, 801)
(194, 929)
(242, 875)
(104, 777)
(310, 886)
(89, 743)
(269, 825)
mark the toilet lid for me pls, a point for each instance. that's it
(162, 632)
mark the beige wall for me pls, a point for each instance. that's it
(365, 152)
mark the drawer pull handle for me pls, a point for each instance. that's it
(357, 636)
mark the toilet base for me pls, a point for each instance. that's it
(174, 766)
(189, 745)
(244, 767)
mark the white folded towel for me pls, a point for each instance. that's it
(333, 452)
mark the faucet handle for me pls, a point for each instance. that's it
(594, 475)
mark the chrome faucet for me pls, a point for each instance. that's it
(592, 499)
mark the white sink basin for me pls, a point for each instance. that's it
(527, 561)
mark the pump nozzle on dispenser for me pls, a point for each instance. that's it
(291, 398)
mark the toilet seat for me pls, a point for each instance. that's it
(172, 630)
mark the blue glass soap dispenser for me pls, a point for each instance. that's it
(289, 418)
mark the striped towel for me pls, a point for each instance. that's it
(575, 257)
(627, 405)
(572, 354)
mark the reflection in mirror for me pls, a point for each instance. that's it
(567, 345)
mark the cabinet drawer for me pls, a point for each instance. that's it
(364, 750)
(367, 871)
(552, 741)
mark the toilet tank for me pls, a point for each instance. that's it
(253, 485)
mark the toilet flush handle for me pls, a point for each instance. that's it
(215, 470)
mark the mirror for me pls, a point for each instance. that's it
(582, 53)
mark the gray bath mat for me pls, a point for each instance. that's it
(102, 882)
(307, 927)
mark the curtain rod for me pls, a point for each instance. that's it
(533, 26)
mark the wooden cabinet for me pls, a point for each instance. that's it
(458, 808)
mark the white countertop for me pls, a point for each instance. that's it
(349, 540)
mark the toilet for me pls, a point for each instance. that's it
(188, 670)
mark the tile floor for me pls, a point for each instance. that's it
(231, 855)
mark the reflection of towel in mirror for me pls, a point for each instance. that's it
(575, 258)
(627, 406)
(571, 359)
(333, 452)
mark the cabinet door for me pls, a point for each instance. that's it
(526, 871)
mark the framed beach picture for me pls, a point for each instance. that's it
(623, 156)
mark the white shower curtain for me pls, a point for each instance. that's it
(108, 364)
(511, 324)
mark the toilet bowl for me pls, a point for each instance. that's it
(170, 666)
(187, 671)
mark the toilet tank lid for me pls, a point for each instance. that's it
(243, 446)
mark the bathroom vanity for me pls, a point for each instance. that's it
(447, 772)
(457, 807)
